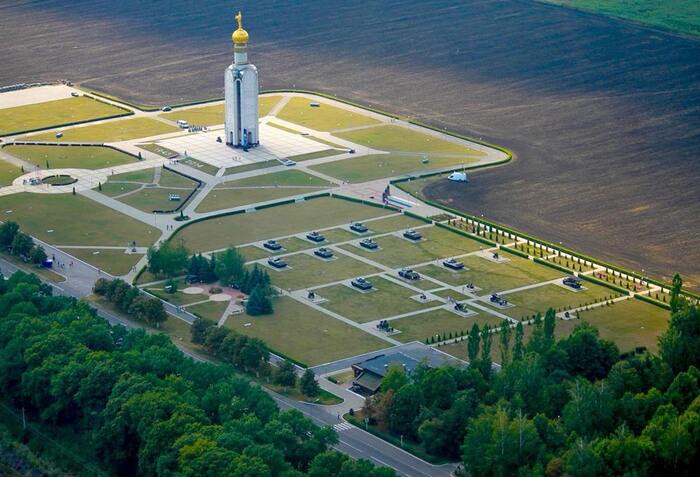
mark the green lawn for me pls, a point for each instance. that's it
(219, 232)
(8, 173)
(316, 155)
(246, 191)
(112, 131)
(144, 176)
(173, 179)
(448, 292)
(214, 114)
(338, 235)
(54, 113)
(113, 189)
(211, 310)
(379, 166)
(149, 199)
(422, 326)
(682, 16)
(254, 166)
(75, 157)
(305, 334)
(630, 323)
(282, 178)
(289, 245)
(397, 252)
(529, 302)
(401, 139)
(323, 118)
(219, 199)
(114, 262)
(491, 276)
(74, 220)
(386, 300)
(307, 271)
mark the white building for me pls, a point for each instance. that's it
(241, 93)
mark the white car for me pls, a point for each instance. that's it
(75, 94)
(183, 124)
(288, 162)
(458, 177)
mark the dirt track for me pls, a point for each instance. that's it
(603, 115)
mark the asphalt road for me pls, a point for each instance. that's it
(353, 442)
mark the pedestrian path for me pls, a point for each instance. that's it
(343, 426)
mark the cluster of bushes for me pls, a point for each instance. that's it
(130, 300)
(247, 354)
(286, 375)
(573, 407)
(124, 402)
(172, 259)
(17, 243)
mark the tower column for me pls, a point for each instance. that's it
(241, 93)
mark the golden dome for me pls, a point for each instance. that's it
(240, 36)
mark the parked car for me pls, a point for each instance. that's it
(75, 94)
(183, 124)
(165, 109)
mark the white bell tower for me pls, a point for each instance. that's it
(241, 94)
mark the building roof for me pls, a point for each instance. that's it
(369, 381)
(380, 364)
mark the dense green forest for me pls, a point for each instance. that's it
(572, 407)
(105, 400)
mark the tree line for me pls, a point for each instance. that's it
(19, 244)
(172, 259)
(130, 403)
(130, 300)
(572, 407)
(250, 355)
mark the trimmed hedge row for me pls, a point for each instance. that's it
(365, 202)
(416, 216)
(514, 251)
(189, 196)
(553, 265)
(301, 364)
(658, 303)
(464, 233)
(605, 284)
